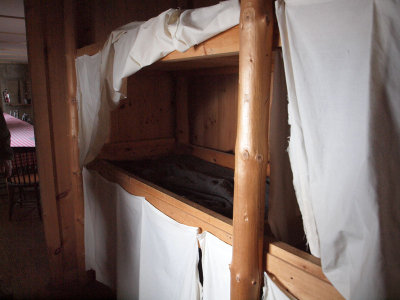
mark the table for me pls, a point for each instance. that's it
(22, 133)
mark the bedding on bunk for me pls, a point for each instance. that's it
(102, 78)
(202, 182)
(342, 68)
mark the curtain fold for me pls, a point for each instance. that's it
(134, 248)
(342, 67)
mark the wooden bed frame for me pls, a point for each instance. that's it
(296, 272)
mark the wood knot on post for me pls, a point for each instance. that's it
(248, 17)
(245, 155)
(267, 20)
(246, 218)
(253, 282)
(237, 278)
(62, 195)
(259, 158)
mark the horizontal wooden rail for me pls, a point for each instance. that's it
(178, 208)
(298, 272)
(224, 159)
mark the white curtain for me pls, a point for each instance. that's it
(271, 291)
(342, 64)
(216, 258)
(136, 249)
(215, 261)
(102, 79)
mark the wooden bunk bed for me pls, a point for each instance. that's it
(170, 129)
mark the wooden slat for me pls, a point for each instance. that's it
(174, 206)
(301, 284)
(137, 149)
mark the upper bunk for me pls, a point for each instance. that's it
(221, 50)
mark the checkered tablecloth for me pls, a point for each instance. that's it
(22, 134)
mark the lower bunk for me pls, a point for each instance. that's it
(119, 253)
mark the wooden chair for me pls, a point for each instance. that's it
(24, 178)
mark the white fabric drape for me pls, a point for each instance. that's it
(342, 65)
(215, 260)
(102, 79)
(271, 291)
(136, 249)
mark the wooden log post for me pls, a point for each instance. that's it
(255, 58)
(77, 181)
(51, 48)
(35, 26)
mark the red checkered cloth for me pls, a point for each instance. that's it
(22, 133)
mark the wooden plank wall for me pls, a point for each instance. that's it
(148, 112)
(97, 18)
(212, 102)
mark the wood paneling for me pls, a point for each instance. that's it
(149, 110)
(137, 150)
(213, 110)
(98, 18)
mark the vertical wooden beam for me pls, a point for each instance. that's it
(43, 136)
(58, 100)
(51, 43)
(70, 12)
(256, 28)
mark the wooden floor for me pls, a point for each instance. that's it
(24, 269)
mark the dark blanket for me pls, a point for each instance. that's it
(202, 182)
